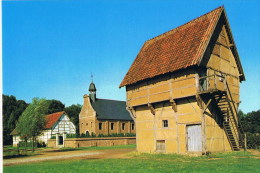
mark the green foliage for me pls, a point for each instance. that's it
(32, 121)
(253, 140)
(251, 122)
(24, 144)
(54, 106)
(251, 125)
(73, 112)
(12, 109)
(100, 135)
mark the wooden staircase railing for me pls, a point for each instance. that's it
(235, 119)
(227, 107)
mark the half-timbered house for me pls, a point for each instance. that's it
(57, 124)
(183, 89)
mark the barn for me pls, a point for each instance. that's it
(57, 124)
(183, 89)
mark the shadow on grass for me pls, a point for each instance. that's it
(19, 156)
(62, 150)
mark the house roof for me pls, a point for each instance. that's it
(177, 49)
(111, 109)
(51, 120)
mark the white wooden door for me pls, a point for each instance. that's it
(194, 138)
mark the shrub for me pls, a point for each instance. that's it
(93, 135)
(253, 140)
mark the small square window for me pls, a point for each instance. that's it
(123, 126)
(100, 126)
(160, 145)
(165, 123)
(133, 126)
(112, 126)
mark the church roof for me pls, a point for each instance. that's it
(111, 109)
(177, 49)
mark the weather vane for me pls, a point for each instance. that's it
(91, 76)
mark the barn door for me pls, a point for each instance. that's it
(194, 140)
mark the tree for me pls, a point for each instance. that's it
(54, 106)
(32, 121)
(12, 109)
(73, 112)
(251, 125)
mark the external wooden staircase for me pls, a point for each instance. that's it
(228, 109)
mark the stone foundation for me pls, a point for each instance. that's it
(90, 142)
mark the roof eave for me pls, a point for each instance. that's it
(234, 48)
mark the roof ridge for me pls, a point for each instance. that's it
(207, 34)
(176, 49)
(183, 25)
(55, 113)
(111, 100)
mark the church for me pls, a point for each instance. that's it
(103, 116)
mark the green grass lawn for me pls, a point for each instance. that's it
(226, 162)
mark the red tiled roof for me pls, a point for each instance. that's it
(52, 119)
(174, 50)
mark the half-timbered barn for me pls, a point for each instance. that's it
(57, 124)
(183, 89)
(103, 116)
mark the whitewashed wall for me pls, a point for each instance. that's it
(63, 125)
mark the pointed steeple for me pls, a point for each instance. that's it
(92, 90)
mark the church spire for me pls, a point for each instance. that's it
(92, 90)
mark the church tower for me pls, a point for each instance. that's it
(92, 91)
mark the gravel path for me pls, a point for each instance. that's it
(54, 154)
(37, 159)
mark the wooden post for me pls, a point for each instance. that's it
(18, 145)
(33, 138)
(174, 105)
(215, 80)
(245, 140)
(206, 106)
(151, 108)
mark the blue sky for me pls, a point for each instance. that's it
(50, 48)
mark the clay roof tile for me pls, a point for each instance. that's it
(174, 50)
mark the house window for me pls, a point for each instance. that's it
(123, 126)
(165, 123)
(133, 126)
(160, 146)
(100, 126)
(112, 126)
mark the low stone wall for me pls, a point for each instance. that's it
(51, 143)
(90, 142)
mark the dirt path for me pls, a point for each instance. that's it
(256, 153)
(63, 155)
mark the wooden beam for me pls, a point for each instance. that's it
(174, 105)
(131, 111)
(207, 105)
(151, 108)
(199, 100)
